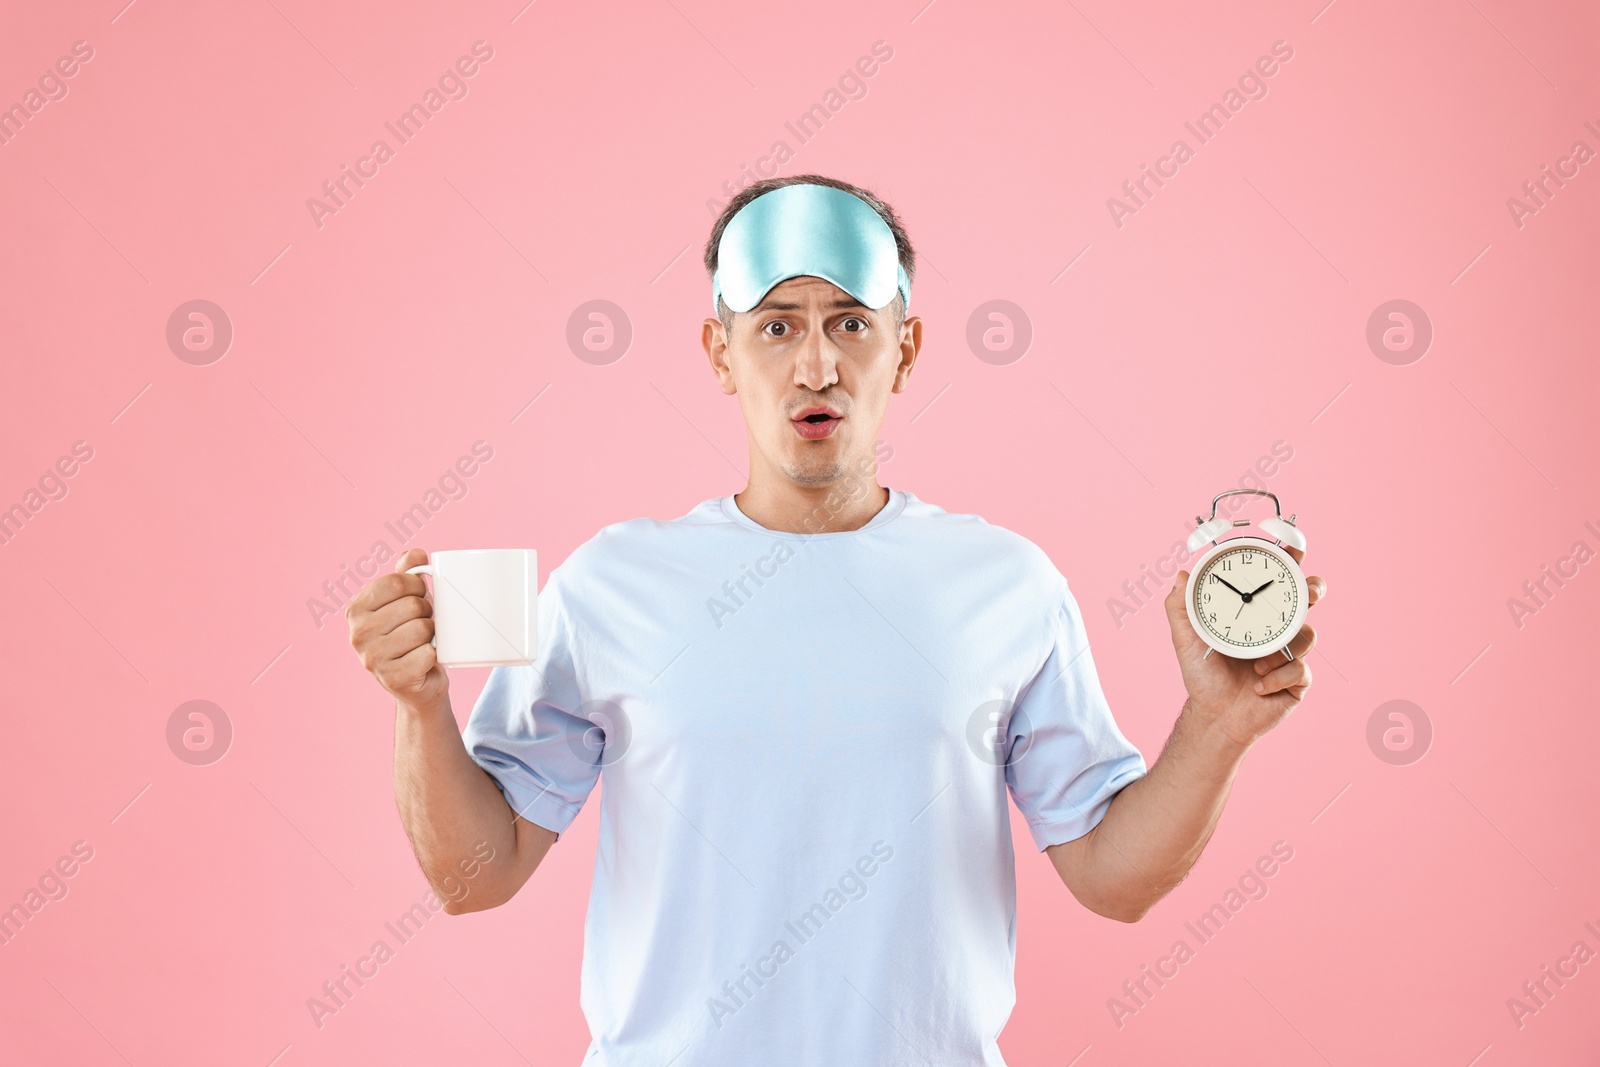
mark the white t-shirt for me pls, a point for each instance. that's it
(806, 742)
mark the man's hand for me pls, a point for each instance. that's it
(450, 806)
(1241, 698)
(391, 625)
(1157, 827)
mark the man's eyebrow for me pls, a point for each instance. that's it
(839, 304)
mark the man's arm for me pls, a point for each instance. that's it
(474, 851)
(448, 805)
(1156, 827)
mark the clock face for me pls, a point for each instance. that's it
(1245, 596)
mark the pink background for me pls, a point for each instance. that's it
(368, 354)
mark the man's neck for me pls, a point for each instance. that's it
(848, 504)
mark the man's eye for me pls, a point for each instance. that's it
(861, 324)
(780, 327)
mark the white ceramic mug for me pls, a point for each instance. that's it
(485, 606)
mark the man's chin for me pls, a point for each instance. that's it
(816, 471)
(813, 476)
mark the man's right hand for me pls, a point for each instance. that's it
(391, 625)
(451, 808)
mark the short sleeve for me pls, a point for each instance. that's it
(1066, 757)
(526, 730)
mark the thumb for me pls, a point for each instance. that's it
(411, 557)
(1174, 601)
(1177, 613)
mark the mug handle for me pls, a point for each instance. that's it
(426, 568)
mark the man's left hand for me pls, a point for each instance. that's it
(1242, 698)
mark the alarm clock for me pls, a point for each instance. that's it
(1247, 596)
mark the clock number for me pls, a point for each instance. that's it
(1207, 598)
(1247, 635)
(1226, 565)
(1248, 557)
(1226, 630)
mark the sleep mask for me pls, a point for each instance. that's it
(808, 230)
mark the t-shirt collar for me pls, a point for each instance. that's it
(896, 504)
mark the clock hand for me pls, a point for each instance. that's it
(1229, 584)
(1253, 592)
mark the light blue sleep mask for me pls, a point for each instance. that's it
(808, 230)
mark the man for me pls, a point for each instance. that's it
(809, 701)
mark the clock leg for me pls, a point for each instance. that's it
(1287, 654)
(1208, 654)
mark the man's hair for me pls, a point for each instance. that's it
(902, 243)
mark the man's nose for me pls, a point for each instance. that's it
(817, 363)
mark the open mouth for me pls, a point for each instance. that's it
(813, 424)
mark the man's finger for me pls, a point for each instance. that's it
(1174, 599)
(1299, 556)
(409, 670)
(1289, 675)
(411, 557)
(402, 640)
(391, 616)
(385, 589)
(1177, 613)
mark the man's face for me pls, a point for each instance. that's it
(810, 349)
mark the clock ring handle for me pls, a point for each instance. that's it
(1276, 506)
(1282, 530)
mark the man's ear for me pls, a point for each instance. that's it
(910, 345)
(714, 339)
